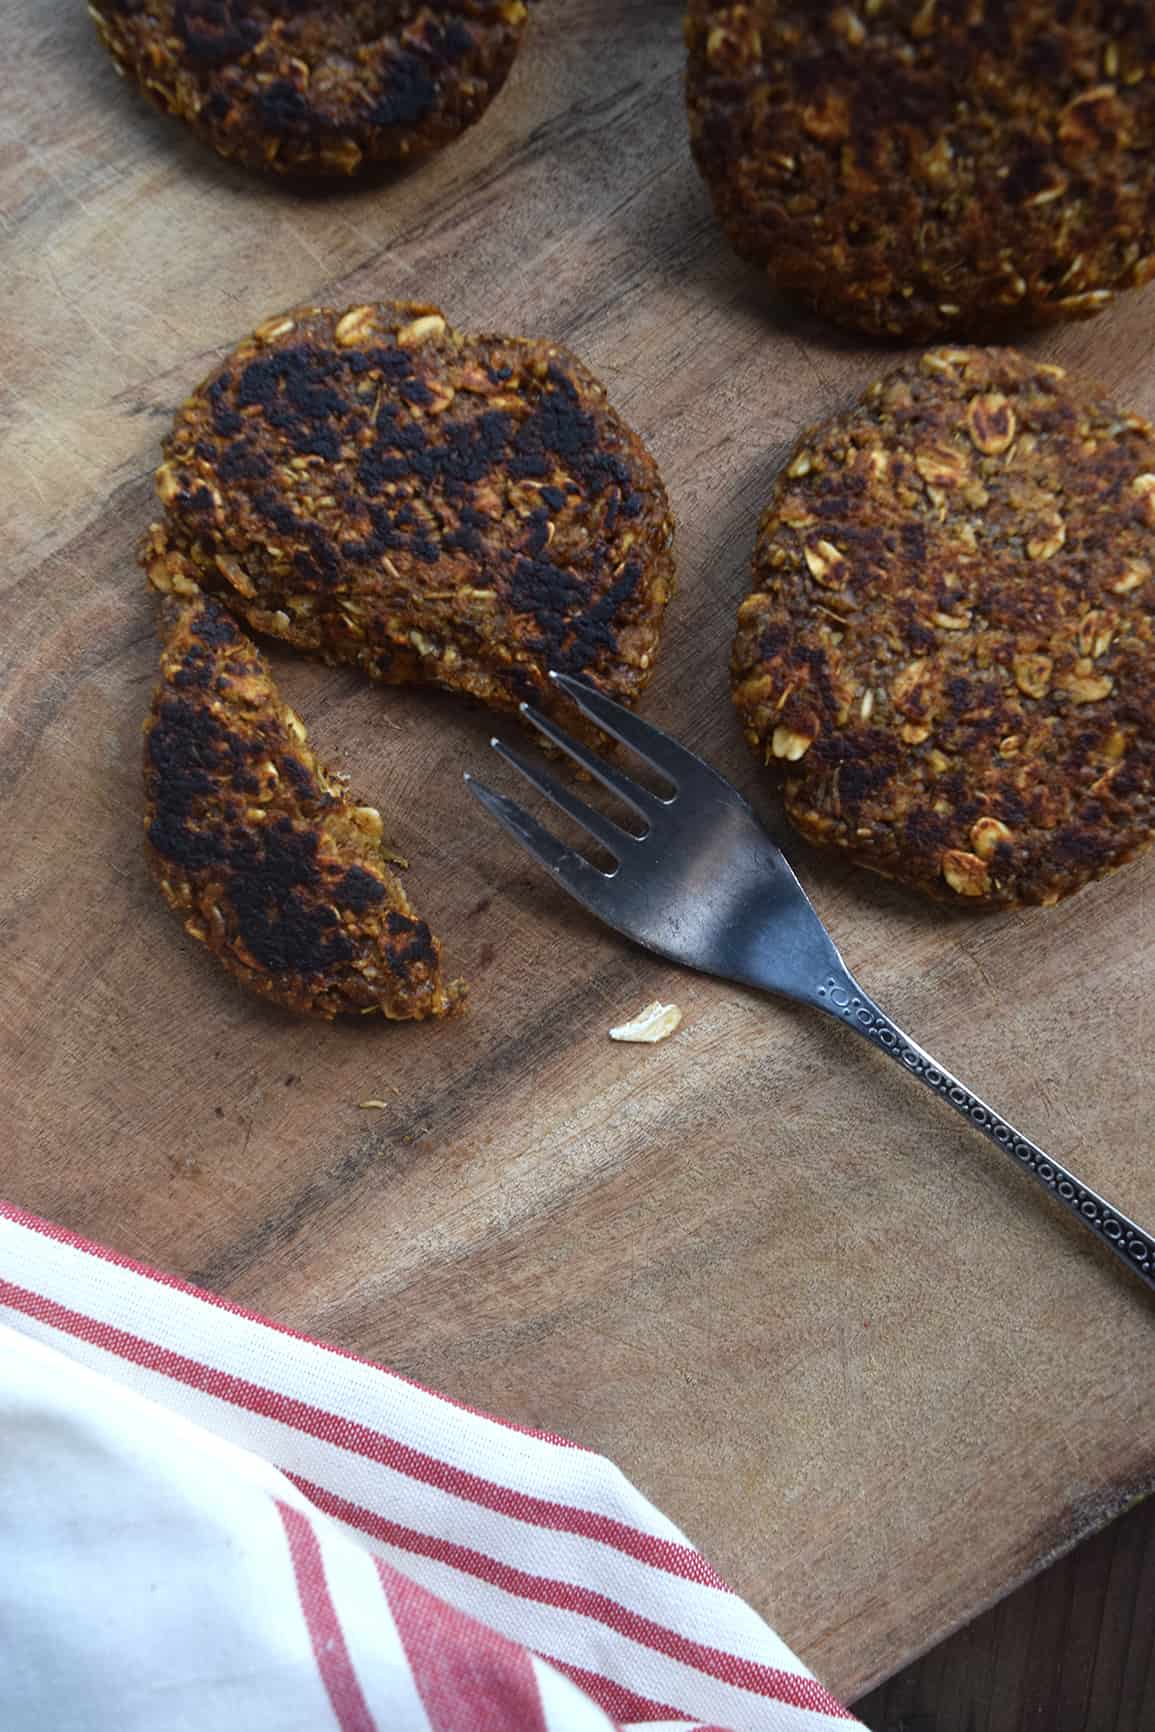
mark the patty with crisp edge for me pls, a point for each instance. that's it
(377, 488)
(913, 167)
(269, 862)
(948, 655)
(302, 87)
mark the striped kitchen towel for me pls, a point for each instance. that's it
(208, 1522)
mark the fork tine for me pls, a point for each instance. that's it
(655, 747)
(611, 836)
(643, 802)
(572, 871)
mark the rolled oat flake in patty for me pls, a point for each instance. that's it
(948, 653)
(315, 88)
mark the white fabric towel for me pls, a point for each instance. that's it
(210, 1522)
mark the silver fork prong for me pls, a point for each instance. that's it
(656, 748)
(571, 869)
(611, 836)
(643, 802)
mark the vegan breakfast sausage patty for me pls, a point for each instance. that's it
(377, 488)
(910, 167)
(300, 86)
(266, 858)
(949, 650)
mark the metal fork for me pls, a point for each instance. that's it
(703, 884)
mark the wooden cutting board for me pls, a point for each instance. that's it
(861, 1361)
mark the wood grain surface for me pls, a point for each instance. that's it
(828, 1329)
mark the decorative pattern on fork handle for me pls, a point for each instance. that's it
(846, 999)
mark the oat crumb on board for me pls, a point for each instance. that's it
(656, 1022)
(373, 1104)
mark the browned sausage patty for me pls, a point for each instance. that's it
(380, 489)
(918, 166)
(949, 651)
(300, 86)
(265, 857)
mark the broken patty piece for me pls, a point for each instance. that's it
(949, 653)
(910, 168)
(380, 489)
(264, 856)
(304, 87)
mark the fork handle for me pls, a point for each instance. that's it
(846, 1001)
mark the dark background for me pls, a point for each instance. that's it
(1071, 1651)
